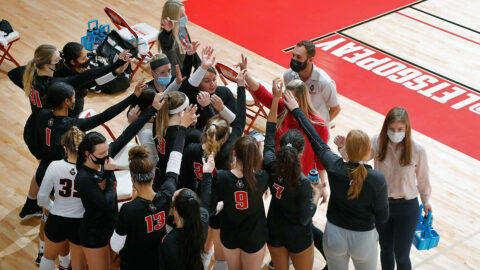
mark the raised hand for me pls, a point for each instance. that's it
(140, 87)
(339, 141)
(168, 24)
(290, 100)
(207, 57)
(179, 79)
(242, 65)
(189, 116)
(241, 77)
(277, 86)
(192, 47)
(133, 114)
(217, 103)
(203, 98)
(208, 165)
(158, 101)
(109, 164)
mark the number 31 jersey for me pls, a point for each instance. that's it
(60, 175)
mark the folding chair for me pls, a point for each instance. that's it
(11, 38)
(253, 104)
(148, 32)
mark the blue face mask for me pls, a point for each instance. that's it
(164, 80)
(183, 21)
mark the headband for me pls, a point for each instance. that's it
(159, 62)
(181, 107)
(142, 177)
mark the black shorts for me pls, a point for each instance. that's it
(293, 236)
(29, 137)
(41, 170)
(59, 229)
(250, 242)
(94, 237)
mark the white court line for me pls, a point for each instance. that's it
(468, 237)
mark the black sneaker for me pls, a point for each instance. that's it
(39, 258)
(63, 268)
(270, 265)
(30, 210)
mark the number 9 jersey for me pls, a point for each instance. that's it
(60, 175)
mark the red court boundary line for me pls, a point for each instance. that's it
(438, 28)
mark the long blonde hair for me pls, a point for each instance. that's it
(396, 114)
(300, 91)
(213, 136)
(173, 100)
(358, 148)
(72, 139)
(171, 9)
(42, 56)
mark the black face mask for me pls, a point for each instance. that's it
(99, 161)
(298, 66)
(84, 64)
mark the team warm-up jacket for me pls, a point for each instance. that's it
(142, 221)
(361, 213)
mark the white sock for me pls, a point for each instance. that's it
(207, 258)
(31, 198)
(64, 260)
(220, 265)
(42, 246)
(46, 264)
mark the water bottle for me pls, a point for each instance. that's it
(313, 176)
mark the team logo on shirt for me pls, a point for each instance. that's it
(239, 184)
(72, 171)
(50, 122)
(152, 207)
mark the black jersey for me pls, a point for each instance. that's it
(243, 222)
(371, 205)
(40, 84)
(192, 164)
(164, 145)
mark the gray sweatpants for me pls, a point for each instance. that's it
(340, 244)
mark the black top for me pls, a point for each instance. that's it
(164, 147)
(291, 204)
(143, 221)
(243, 208)
(50, 128)
(173, 244)
(192, 165)
(361, 213)
(40, 84)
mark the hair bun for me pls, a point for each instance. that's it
(138, 152)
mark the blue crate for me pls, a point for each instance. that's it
(425, 236)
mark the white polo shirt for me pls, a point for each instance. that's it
(323, 91)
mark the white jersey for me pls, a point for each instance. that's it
(60, 175)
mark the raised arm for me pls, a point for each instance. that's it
(321, 149)
(269, 147)
(206, 183)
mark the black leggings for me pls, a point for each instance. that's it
(318, 240)
(396, 235)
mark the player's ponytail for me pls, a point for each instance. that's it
(247, 153)
(42, 56)
(358, 147)
(141, 166)
(88, 145)
(287, 162)
(72, 139)
(187, 205)
(213, 136)
(174, 100)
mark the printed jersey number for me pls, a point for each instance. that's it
(279, 190)
(35, 98)
(48, 134)
(241, 200)
(198, 170)
(68, 188)
(158, 218)
(161, 145)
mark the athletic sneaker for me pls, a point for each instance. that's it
(39, 258)
(270, 265)
(30, 209)
(63, 268)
